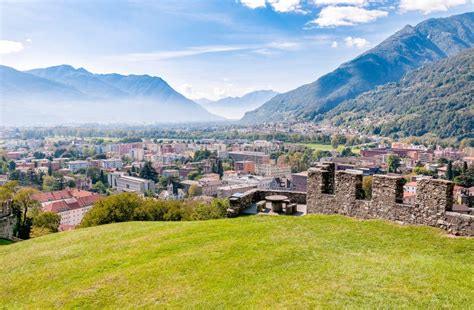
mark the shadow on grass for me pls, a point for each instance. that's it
(5, 242)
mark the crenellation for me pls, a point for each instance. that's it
(433, 202)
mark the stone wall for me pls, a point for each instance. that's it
(238, 204)
(331, 192)
(7, 221)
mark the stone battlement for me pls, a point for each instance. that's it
(7, 220)
(331, 192)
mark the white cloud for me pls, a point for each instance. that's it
(334, 44)
(253, 4)
(356, 42)
(336, 2)
(286, 5)
(429, 6)
(332, 16)
(9, 47)
(283, 6)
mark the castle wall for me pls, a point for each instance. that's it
(331, 192)
(7, 221)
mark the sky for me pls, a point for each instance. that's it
(207, 48)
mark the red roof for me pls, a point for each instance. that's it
(62, 194)
(69, 203)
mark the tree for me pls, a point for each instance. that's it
(347, 152)
(94, 174)
(99, 187)
(220, 168)
(367, 186)
(194, 191)
(11, 165)
(50, 169)
(59, 183)
(464, 167)
(442, 161)
(393, 163)
(111, 209)
(48, 183)
(466, 179)
(334, 142)
(449, 171)
(23, 202)
(215, 210)
(193, 175)
(47, 220)
(148, 172)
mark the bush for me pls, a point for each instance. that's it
(215, 210)
(47, 221)
(130, 207)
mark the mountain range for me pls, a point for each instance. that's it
(406, 50)
(63, 94)
(236, 107)
(437, 98)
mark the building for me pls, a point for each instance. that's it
(170, 173)
(300, 181)
(257, 157)
(125, 183)
(112, 163)
(410, 187)
(72, 210)
(77, 165)
(258, 181)
(137, 154)
(245, 166)
(275, 171)
(70, 204)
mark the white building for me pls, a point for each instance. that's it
(137, 154)
(275, 171)
(125, 183)
(112, 163)
(77, 165)
(251, 180)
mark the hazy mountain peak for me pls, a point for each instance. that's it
(63, 94)
(236, 107)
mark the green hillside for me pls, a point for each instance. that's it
(258, 261)
(436, 99)
(408, 49)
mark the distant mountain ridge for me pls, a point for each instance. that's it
(236, 107)
(63, 94)
(408, 49)
(435, 99)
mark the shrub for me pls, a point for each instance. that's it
(130, 207)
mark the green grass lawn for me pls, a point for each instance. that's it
(319, 147)
(255, 261)
(328, 147)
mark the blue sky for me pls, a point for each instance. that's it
(209, 48)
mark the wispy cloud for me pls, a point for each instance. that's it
(10, 47)
(191, 51)
(262, 49)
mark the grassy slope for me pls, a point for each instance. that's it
(256, 261)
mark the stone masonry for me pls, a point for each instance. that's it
(331, 192)
(7, 221)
